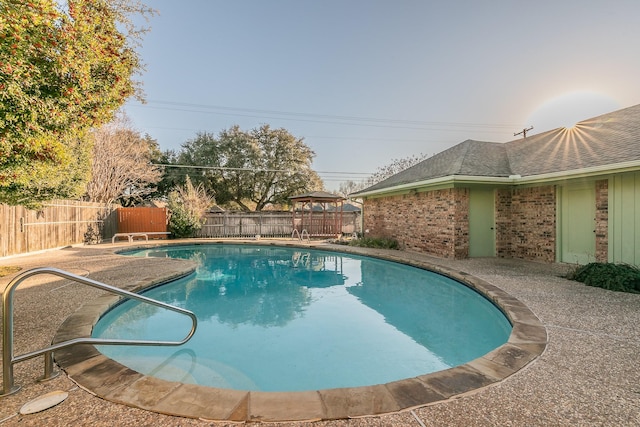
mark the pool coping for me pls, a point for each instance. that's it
(110, 380)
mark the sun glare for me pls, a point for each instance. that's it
(567, 110)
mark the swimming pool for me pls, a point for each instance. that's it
(294, 319)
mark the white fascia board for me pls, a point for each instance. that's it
(451, 179)
(630, 166)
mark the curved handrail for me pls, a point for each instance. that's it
(301, 235)
(8, 360)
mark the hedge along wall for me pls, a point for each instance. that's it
(432, 222)
(59, 223)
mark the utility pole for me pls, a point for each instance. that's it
(523, 132)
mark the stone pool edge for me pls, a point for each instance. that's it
(108, 379)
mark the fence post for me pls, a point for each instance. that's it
(224, 224)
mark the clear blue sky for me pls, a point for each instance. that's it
(368, 81)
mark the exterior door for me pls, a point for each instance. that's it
(482, 237)
(578, 223)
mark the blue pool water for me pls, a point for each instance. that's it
(290, 319)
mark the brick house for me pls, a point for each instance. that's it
(567, 195)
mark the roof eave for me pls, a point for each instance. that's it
(594, 171)
(444, 180)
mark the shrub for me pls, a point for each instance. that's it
(183, 223)
(375, 242)
(93, 235)
(614, 277)
(187, 205)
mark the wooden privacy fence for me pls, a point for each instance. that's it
(66, 222)
(265, 224)
(59, 223)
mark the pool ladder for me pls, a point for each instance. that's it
(8, 359)
(300, 235)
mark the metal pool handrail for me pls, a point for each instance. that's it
(8, 360)
(300, 235)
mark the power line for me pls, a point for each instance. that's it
(256, 169)
(325, 118)
(358, 138)
(219, 168)
(389, 126)
(329, 179)
(345, 173)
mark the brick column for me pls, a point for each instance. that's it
(602, 221)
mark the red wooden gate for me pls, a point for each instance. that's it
(140, 220)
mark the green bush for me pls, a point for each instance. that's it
(183, 223)
(187, 205)
(614, 277)
(375, 242)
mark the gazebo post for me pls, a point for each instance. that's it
(339, 219)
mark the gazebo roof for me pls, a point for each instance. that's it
(317, 196)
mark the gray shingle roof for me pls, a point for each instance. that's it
(467, 158)
(604, 140)
(600, 141)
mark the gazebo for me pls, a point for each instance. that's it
(318, 213)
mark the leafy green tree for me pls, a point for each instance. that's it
(252, 169)
(41, 182)
(65, 67)
(171, 176)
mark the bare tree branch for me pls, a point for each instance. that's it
(122, 164)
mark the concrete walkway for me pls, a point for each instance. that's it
(588, 374)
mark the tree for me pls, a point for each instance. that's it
(39, 182)
(396, 165)
(122, 165)
(172, 176)
(252, 169)
(348, 187)
(382, 173)
(65, 67)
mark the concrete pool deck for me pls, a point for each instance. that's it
(588, 374)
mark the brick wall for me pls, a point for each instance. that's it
(602, 220)
(461, 222)
(503, 223)
(434, 222)
(437, 222)
(526, 223)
